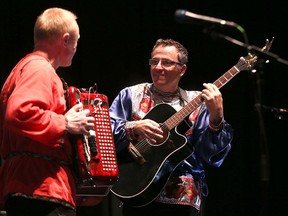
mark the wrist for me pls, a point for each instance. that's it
(65, 132)
(66, 125)
(130, 130)
(216, 126)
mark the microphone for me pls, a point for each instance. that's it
(272, 109)
(275, 109)
(184, 16)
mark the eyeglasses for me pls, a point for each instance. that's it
(164, 63)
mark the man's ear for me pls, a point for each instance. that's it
(66, 37)
(183, 69)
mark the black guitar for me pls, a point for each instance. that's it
(144, 174)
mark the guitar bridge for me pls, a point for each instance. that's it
(136, 154)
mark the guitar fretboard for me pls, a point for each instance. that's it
(179, 116)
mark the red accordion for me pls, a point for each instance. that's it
(95, 164)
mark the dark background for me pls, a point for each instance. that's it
(113, 51)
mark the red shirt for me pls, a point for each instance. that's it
(32, 122)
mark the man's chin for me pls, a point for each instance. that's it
(160, 82)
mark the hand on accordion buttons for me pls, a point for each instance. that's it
(78, 120)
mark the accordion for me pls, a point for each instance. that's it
(95, 162)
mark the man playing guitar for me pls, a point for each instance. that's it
(162, 143)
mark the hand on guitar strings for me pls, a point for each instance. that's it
(148, 129)
(214, 102)
(78, 120)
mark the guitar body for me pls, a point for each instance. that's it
(140, 183)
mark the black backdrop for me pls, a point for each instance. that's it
(113, 51)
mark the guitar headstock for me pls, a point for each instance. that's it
(248, 62)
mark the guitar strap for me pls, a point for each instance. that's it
(185, 99)
(183, 95)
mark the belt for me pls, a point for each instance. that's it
(36, 155)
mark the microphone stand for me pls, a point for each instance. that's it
(264, 154)
(248, 47)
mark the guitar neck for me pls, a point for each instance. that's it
(179, 116)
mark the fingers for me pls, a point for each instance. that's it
(213, 100)
(148, 129)
(77, 107)
(87, 121)
(211, 92)
(79, 121)
(87, 113)
(210, 88)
